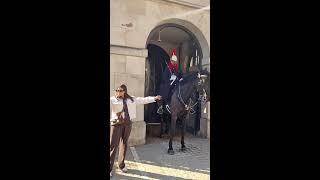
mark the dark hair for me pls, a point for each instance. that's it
(126, 95)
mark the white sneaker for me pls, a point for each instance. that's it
(110, 174)
(124, 169)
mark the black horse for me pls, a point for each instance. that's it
(179, 104)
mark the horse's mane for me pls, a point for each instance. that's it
(188, 77)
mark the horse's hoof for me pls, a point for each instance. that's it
(183, 148)
(171, 152)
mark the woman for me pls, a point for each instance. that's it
(123, 109)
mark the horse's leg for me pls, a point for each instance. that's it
(161, 126)
(164, 125)
(172, 130)
(162, 119)
(183, 147)
(168, 125)
(167, 128)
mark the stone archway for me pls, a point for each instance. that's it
(190, 28)
(204, 53)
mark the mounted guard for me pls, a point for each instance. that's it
(170, 77)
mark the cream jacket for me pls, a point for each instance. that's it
(116, 105)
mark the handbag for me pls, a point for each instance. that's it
(120, 119)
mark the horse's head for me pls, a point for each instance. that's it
(203, 86)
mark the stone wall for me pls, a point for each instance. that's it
(129, 68)
(132, 21)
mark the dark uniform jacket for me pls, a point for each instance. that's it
(167, 85)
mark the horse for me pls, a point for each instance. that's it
(192, 82)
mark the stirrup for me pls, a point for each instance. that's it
(160, 110)
(168, 108)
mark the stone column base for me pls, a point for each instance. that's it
(205, 121)
(138, 133)
(204, 127)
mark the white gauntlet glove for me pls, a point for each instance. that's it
(172, 78)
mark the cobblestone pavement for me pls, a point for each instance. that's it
(151, 161)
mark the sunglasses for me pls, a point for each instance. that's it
(119, 90)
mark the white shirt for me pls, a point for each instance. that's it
(116, 105)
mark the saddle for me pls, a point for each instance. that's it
(120, 120)
(167, 107)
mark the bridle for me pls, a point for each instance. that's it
(202, 96)
(202, 93)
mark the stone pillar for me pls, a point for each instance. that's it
(127, 66)
(205, 109)
(205, 120)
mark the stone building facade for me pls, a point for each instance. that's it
(133, 22)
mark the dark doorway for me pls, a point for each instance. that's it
(156, 62)
(160, 42)
(155, 65)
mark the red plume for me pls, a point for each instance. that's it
(174, 51)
